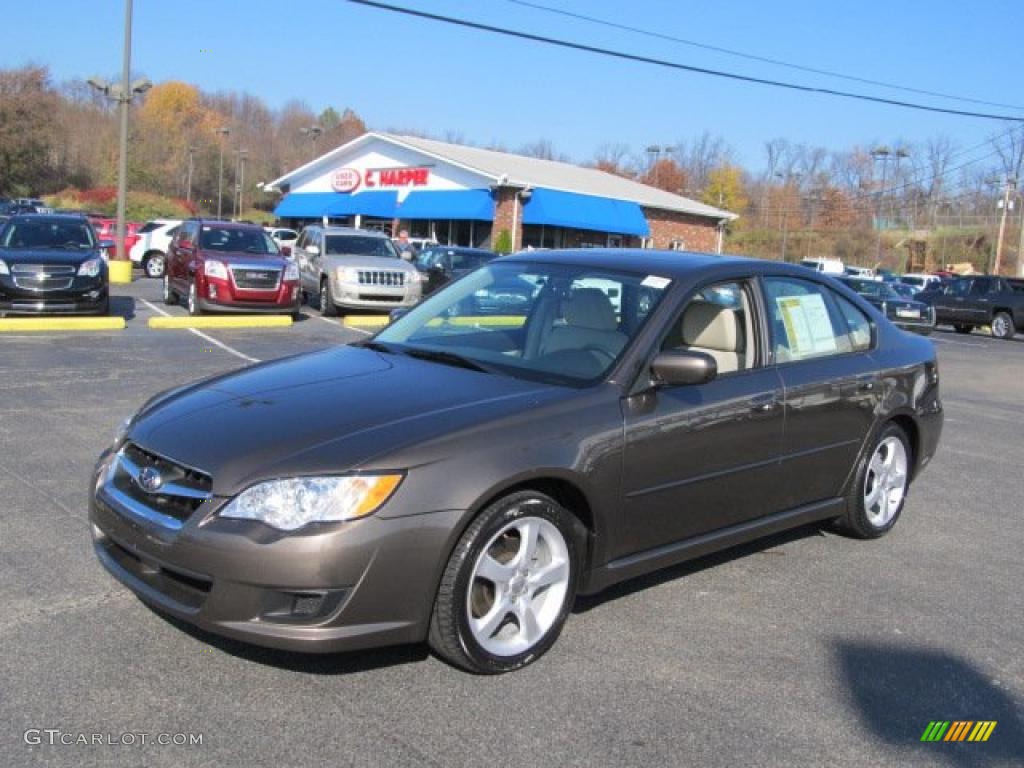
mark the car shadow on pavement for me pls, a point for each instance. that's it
(310, 663)
(898, 691)
(122, 306)
(767, 546)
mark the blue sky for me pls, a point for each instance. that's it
(400, 72)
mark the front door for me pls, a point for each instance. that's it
(699, 458)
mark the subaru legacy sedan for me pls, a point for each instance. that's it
(460, 477)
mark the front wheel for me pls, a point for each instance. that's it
(879, 489)
(193, 300)
(1002, 326)
(154, 265)
(170, 297)
(327, 306)
(508, 587)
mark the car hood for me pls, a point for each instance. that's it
(370, 262)
(54, 256)
(323, 412)
(241, 257)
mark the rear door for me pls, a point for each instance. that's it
(821, 345)
(977, 305)
(949, 305)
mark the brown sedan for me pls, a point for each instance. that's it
(462, 476)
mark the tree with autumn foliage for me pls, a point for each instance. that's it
(668, 175)
(726, 189)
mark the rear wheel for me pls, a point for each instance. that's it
(170, 297)
(876, 496)
(327, 306)
(1002, 326)
(508, 587)
(154, 264)
(961, 328)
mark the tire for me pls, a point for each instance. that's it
(104, 308)
(193, 300)
(170, 297)
(1002, 326)
(492, 615)
(327, 306)
(154, 265)
(961, 328)
(879, 488)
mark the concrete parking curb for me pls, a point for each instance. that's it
(231, 321)
(43, 324)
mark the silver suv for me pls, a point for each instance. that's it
(354, 269)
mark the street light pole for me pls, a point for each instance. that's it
(220, 174)
(314, 132)
(122, 165)
(880, 153)
(236, 203)
(188, 184)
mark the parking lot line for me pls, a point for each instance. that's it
(19, 324)
(203, 336)
(230, 321)
(336, 324)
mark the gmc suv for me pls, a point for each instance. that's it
(229, 267)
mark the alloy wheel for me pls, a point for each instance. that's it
(885, 481)
(155, 266)
(518, 586)
(999, 326)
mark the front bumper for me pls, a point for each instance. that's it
(216, 295)
(86, 296)
(336, 587)
(355, 296)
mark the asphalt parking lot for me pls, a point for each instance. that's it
(805, 649)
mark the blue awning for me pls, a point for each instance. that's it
(475, 204)
(312, 205)
(569, 209)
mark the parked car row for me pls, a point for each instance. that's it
(980, 300)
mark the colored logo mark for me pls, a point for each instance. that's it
(958, 730)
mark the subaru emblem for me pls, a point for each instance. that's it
(150, 479)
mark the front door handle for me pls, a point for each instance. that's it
(764, 404)
(866, 384)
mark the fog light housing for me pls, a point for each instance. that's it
(302, 607)
(213, 291)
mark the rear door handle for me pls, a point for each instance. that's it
(764, 404)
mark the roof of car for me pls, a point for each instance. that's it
(50, 216)
(674, 263)
(349, 231)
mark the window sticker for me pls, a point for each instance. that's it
(808, 327)
(653, 281)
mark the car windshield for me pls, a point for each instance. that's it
(912, 280)
(70, 234)
(359, 245)
(236, 239)
(559, 324)
(872, 289)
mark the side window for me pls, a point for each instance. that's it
(980, 286)
(860, 326)
(803, 320)
(719, 322)
(959, 288)
(301, 242)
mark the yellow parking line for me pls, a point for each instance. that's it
(365, 321)
(105, 323)
(225, 321)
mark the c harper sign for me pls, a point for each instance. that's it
(349, 179)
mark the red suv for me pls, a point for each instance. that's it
(228, 267)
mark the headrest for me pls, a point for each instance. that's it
(590, 308)
(711, 326)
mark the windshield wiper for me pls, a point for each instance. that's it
(376, 346)
(447, 358)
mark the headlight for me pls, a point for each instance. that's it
(348, 275)
(122, 432)
(90, 268)
(294, 502)
(418, 277)
(291, 272)
(216, 268)
(3, 268)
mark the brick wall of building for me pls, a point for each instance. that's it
(504, 202)
(696, 232)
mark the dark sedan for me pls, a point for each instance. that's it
(904, 312)
(52, 264)
(460, 478)
(441, 264)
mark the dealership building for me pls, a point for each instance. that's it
(460, 195)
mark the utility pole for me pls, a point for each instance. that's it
(220, 174)
(188, 184)
(1008, 186)
(239, 182)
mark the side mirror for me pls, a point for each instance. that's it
(107, 245)
(313, 250)
(396, 313)
(674, 368)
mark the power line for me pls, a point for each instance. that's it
(675, 65)
(753, 57)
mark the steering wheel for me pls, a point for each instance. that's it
(600, 351)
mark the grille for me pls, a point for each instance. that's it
(43, 277)
(254, 278)
(382, 277)
(182, 492)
